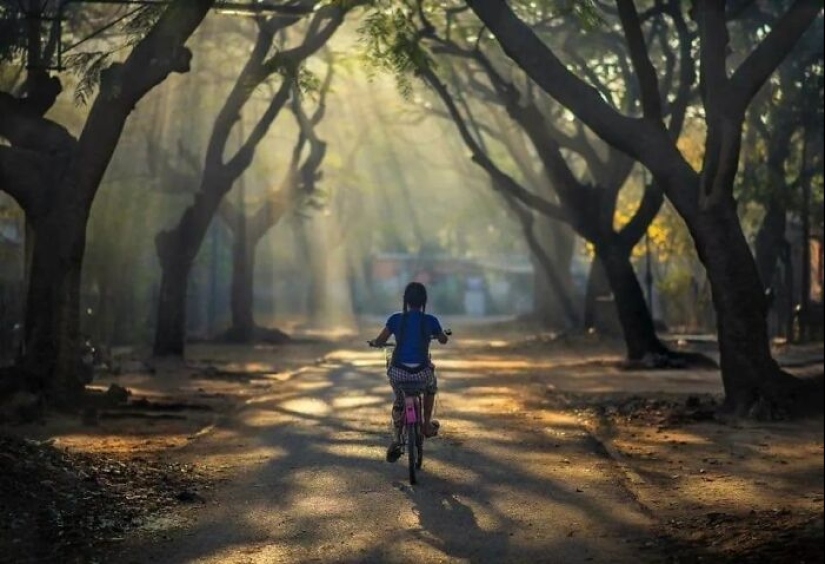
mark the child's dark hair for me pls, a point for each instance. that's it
(415, 295)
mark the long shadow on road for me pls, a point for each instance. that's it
(307, 483)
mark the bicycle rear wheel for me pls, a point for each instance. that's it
(412, 451)
(419, 460)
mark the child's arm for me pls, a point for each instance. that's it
(382, 338)
(440, 334)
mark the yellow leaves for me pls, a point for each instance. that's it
(667, 233)
(692, 143)
(669, 237)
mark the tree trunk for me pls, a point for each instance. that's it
(631, 307)
(177, 250)
(597, 285)
(52, 338)
(750, 375)
(545, 307)
(769, 241)
(242, 291)
(170, 333)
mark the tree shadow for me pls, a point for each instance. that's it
(322, 475)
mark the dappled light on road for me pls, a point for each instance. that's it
(496, 485)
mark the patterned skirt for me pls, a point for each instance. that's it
(415, 381)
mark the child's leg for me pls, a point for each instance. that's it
(397, 416)
(429, 402)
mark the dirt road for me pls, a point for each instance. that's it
(306, 481)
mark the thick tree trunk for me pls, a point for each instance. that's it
(177, 250)
(170, 333)
(242, 291)
(597, 285)
(545, 305)
(52, 340)
(769, 242)
(751, 377)
(631, 307)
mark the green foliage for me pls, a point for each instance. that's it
(88, 68)
(390, 39)
(584, 12)
(142, 22)
(308, 82)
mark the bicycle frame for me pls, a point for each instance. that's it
(411, 408)
(412, 437)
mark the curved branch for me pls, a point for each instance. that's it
(649, 207)
(687, 72)
(501, 181)
(645, 72)
(763, 61)
(641, 139)
(242, 159)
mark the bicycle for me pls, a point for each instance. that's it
(412, 434)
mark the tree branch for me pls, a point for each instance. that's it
(542, 65)
(687, 71)
(713, 34)
(762, 62)
(25, 128)
(309, 172)
(643, 140)
(649, 207)
(24, 177)
(645, 72)
(501, 181)
(243, 157)
(157, 55)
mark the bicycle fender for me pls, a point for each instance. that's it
(409, 408)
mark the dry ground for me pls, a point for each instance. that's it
(551, 452)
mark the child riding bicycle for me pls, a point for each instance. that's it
(413, 330)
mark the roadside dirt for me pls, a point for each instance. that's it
(270, 454)
(72, 486)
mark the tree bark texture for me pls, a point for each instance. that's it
(705, 201)
(220, 173)
(242, 289)
(70, 172)
(770, 240)
(52, 355)
(749, 373)
(634, 315)
(171, 319)
(597, 286)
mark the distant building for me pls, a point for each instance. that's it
(464, 286)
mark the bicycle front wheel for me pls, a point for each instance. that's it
(412, 451)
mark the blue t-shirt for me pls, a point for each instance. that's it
(411, 350)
